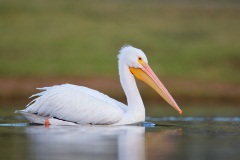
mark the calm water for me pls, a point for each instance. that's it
(171, 138)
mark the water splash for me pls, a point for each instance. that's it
(148, 124)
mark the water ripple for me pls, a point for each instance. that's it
(14, 125)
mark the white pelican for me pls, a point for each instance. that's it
(69, 104)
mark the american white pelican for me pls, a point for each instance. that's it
(69, 104)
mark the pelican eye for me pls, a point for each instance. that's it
(140, 61)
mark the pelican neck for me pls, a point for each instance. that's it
(128, 82)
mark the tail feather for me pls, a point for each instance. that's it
(33, 118)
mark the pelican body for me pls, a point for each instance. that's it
(69, 104)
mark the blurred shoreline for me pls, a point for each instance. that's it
(18, 89)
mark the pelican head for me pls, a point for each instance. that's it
(137, 62)
(132, 56)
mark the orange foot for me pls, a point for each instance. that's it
(46, 123)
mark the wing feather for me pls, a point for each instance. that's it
(76, 104)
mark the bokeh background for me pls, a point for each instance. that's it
(193, 46)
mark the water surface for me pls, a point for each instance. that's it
(190, 137)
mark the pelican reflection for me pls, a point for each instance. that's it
(87, 142)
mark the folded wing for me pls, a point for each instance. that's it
(76, 104)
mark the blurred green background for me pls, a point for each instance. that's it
(193, 46)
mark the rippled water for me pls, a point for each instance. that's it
(185, 137)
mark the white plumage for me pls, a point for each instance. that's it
(71, 105)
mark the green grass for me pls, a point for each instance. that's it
(194, 40)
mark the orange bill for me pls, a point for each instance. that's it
(148, 76)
